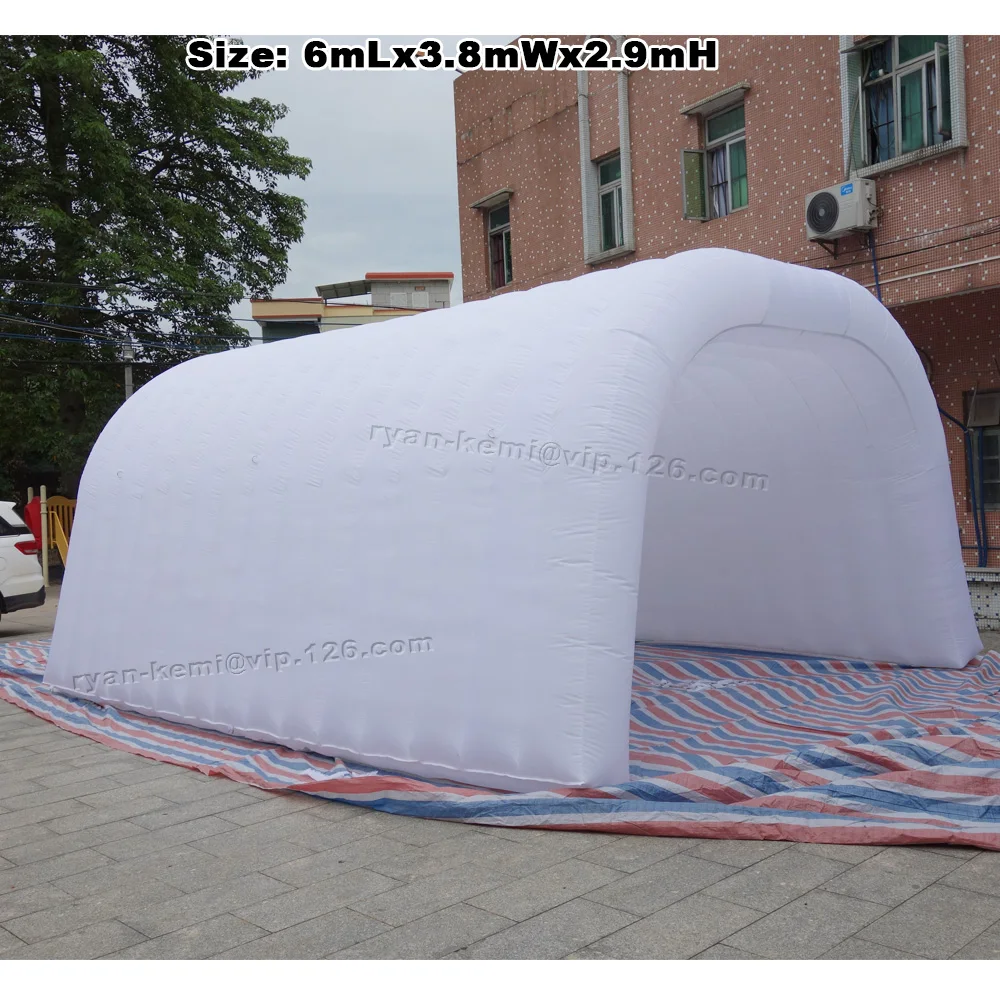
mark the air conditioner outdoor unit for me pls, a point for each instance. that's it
(841, 209)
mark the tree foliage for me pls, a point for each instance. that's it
(139, 200)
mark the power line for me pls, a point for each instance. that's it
(119, 318)
(106, 338)
(110, 315)
(864, 260)
(190, 349)
(114, 286)
(912, 236)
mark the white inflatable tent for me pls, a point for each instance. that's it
(430, 545)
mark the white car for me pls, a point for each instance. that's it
(21, 584)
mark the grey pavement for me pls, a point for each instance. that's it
(104, 854)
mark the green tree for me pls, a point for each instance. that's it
(139, 200)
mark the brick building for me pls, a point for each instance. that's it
(563, 172)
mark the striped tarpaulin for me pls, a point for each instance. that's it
(728, 744)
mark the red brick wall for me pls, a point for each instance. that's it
(961, 337)
(519, 130)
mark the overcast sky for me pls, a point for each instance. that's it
(382, 195)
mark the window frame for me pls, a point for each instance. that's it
(979, 434)
(701, 160)
(613, 187)
(724, 144)
(502, 234)
(938, 53)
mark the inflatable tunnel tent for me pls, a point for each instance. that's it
(430, 545)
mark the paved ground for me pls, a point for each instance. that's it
(104, 854)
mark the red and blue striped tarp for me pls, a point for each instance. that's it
(724, 743)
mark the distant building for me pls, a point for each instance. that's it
(393, 294)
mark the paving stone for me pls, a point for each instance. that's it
(121, 794)
(37, 767)
(724, 951)
(403, 903)
(59, 794)
(850, 854)
(114, 875)
(52, 846)
(543, 890)
(173, 814)
(553, 934)
(78, 914)
(91, 942)
(258, 810)
(17, 786)
(855, 949)
(259, 849)
(808, 926)
(315, 938)
(79, 775)
(659, 885)
(678, 931)
(936, 922)
(981, 874)
(303, 830)
(777, 880)
(81, 753)
(985, 946)
(193, 869)
(183, 786)
(326, 864)
(40, 814)
(352, 888)
(432, 936)
(963, 853)
(184, 867)
(515, 833)
(631, 854)
(168, 836)
(162, 918)
(9, 943)
(23, 876)
(738, 853)
(421, 862)
(527, 857)
(259, 793)
(150, 770)
(896, 874)
(83, 816)
(41, 737)
(37, 897)
(19, 835)
(418, 831)
(201, 940)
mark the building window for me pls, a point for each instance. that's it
(904, 97)
(984, 420)
(726, 146)
(609, 193)
(498, 224)
(715, 178)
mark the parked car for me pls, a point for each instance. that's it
(21, 583)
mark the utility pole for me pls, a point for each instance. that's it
(43, 510)
(129, 358)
